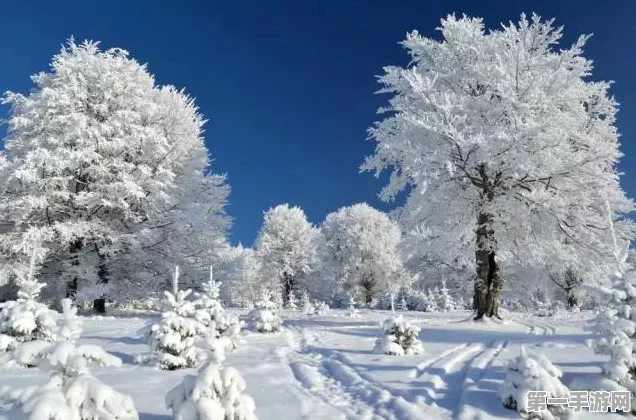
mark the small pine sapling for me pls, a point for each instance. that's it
(215, 393)
(264, 317)
(352, 311)
(431, 302)
(173, 340)
(291, 301)
(527, 374)
(305, 304)
(399, 338)
(71, 393)
(403, 305)
(445, 300)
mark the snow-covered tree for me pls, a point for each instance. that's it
(362, 245)
(617, 327)
(446, 302)
(286, 246)
(209, 311)
(26, 319)
(265, 316)
(291, 302)
(109, 172)
(527, 373)
(403, 305)
(305, 303)
(321, 308)
(432, 300)
(506, 148)
(71, 392)
(240, 274)
(399, 338)
(215, 393)
(352, 311)
(173, 340)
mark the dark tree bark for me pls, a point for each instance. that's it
(99, 304)
(74, 249)
(288, 287)
(571, 281)
(489, 279)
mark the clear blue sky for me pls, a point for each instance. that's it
(288, 86)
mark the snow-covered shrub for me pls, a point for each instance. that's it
(291, 301)
(399, 338)
(264, 317)
(173, 340)
(403, 305)
(527, 373)
(215, 393)
(445, 301)
(417, 300)
(321, 308)
(431, 301)
(210, 312)
(26, 320)
(617, 325)
(352, 311)
(71, 392)
(305, 304)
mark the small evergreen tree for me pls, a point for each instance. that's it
(445, 300)
(321, 308)
(403, 305)
(264, 317)
(305, 304)
(26, 319)
(524, 374)
(352, 311)
(291, 301)
(71, 393)
(431, 301)
(173, 339)
(215, 393)
(399, 338)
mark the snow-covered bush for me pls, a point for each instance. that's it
(399, 338)
(210, 312)
(264, 317)
(291, 302)
(527, 373)
(417, 300)
(321, 308)
(215, 393)
(446, 303)
(173, 340)
(617, 325)
(352, 311)
(403, 305)
(71, 392)
(305, 304)
(25, 319)
(431, 301)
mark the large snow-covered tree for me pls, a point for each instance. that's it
(362, 249)
(507, 149)
(100, 164)
(286, 247)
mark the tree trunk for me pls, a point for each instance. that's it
(99, 305)
(74, 249)
(489, 277)
(288, 287)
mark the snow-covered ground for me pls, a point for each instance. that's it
(323, 367)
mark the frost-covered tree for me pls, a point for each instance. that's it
(109, 172)
(286, 246)
(617, 326)
(71, 392)
(291, 302)
(527, 373)
(432, 300)
(352, 311)
(403, 305)
(240, 272)
(305, 303)
(215, 393)
(399, 338)
(210, 312)
(26, 319)
(569, 282)
(362, 246)
(445, 300)
(506, 148)
(265, 317)
(173, 340)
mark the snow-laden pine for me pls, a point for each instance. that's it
(291, 302)
(25, 321)
(617, 327)
(306, 305)
(399, 338)
(210, 312)
(352, 311)
(71, 392)
(215, 393)
(469, 132)
(527, 373)
(265, 317)
(446, 302)
(173, 341)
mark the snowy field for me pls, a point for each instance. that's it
(323, 367)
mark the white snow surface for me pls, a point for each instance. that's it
(324, 367)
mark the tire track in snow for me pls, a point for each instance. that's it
(421, 368)
(538, 329)
(331, 377)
